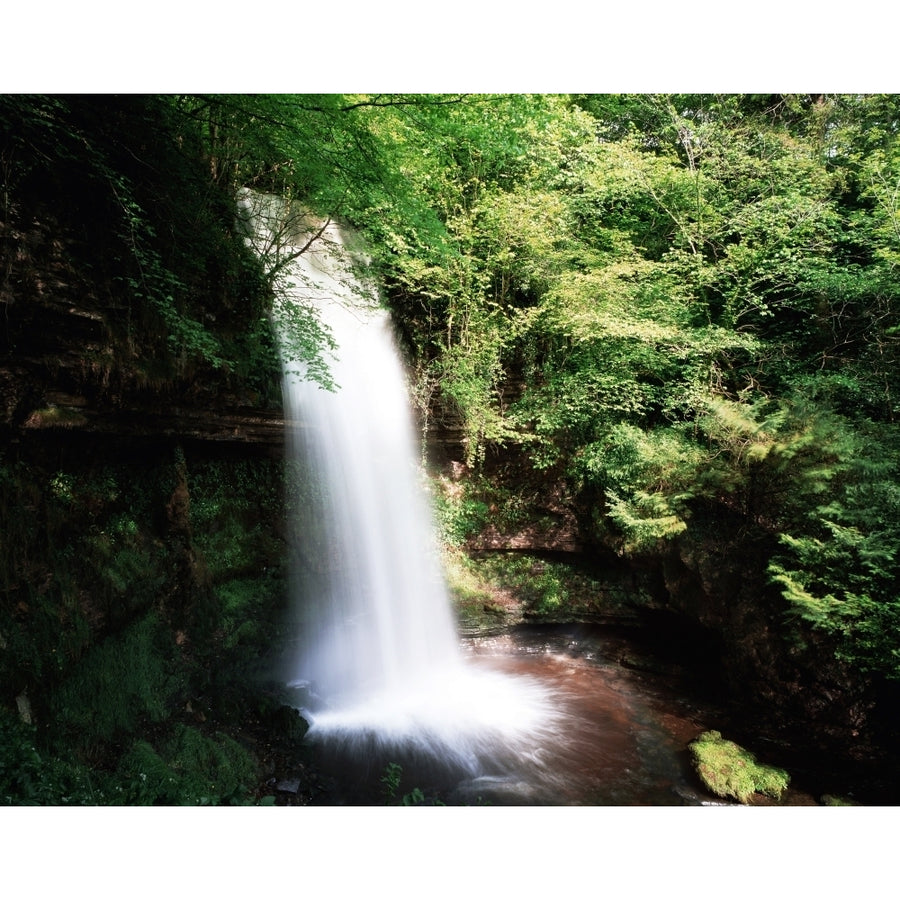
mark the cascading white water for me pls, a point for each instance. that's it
(379, 656)
(382, 615)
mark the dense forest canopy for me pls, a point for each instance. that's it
(683, 307)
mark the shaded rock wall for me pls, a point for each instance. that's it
(66, 368)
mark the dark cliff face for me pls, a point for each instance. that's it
(129, 303)
(141, 567)
(66, 370)
(785, 680)
(88, 406)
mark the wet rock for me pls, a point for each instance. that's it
(497, 791)
(23, 704)
(288, 786)
(288, 723)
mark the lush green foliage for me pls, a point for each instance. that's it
(29, 777)
(391, 781)
(552, 590)
(190, 769)
(123, 679)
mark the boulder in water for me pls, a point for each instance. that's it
(728, 770)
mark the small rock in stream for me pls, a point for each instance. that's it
(288, 786)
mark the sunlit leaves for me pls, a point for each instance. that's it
(644, 478)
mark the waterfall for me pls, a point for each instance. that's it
(379, 661)
(382, 617)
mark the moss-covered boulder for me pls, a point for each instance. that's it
(728, 770)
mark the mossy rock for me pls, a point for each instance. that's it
(837, 800)
(287, 722)
(728, 770)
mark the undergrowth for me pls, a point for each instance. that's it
(189, 768)
(127, 679)
(115, 616)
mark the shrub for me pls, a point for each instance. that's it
(29, 776)
(190, 769)
(457, 516)
(126, 678)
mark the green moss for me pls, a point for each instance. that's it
(90, 588)
(472, 597)
(243, 604)
(728, 770)
(233, 508)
